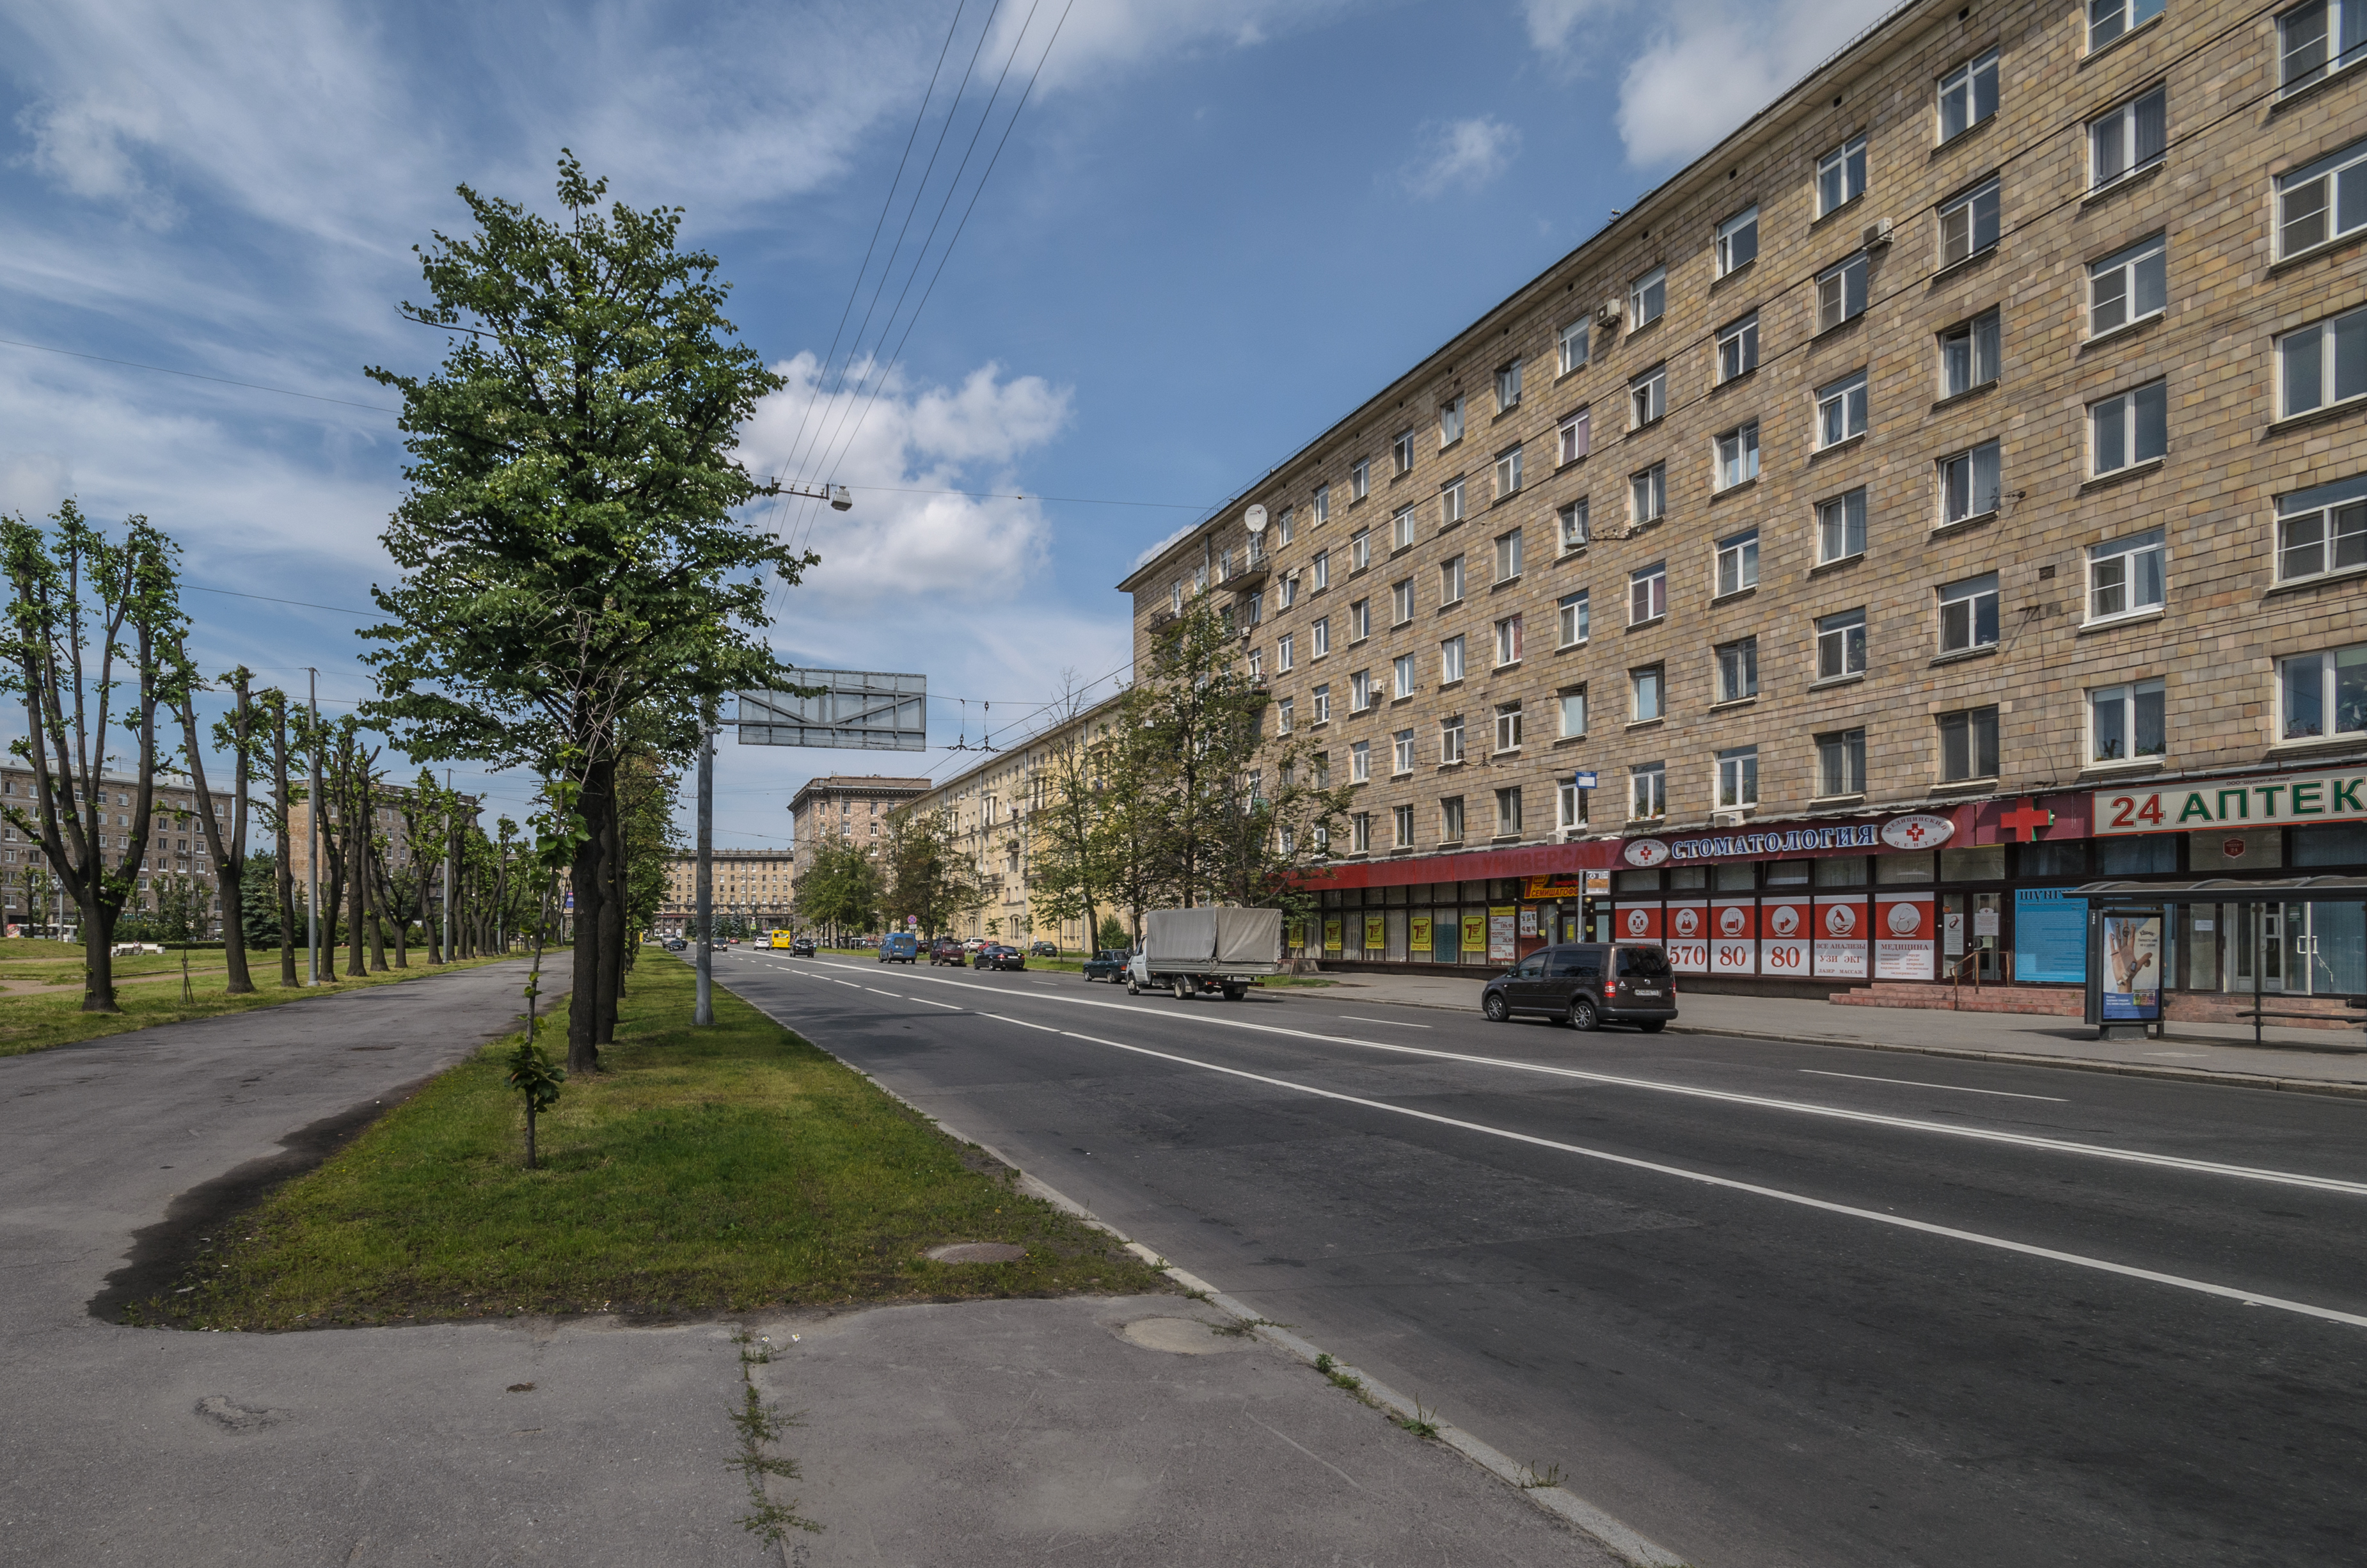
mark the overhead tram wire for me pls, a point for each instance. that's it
(980, 188)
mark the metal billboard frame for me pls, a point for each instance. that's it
(855, 710)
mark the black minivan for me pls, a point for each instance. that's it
(1586, 983)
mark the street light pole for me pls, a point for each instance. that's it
(703, 917)
(312, 849)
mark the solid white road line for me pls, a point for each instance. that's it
(1394, 1023)
(1919, 1084)
(1763, 1102)
(1952, 1232)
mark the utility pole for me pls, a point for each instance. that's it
(704, 915)
(447, 865)
(312, 850)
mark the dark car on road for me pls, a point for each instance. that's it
(999, 955)
(1045, 950)
(1108, 963)
(1587, 983)
(947, 949)
(803, 948)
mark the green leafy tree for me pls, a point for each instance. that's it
(84, 644)
(927, 876)
(258, 900)
(223, 823)
(532, 1076)
(568, 538)
(840, 887)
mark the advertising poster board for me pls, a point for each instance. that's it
(1903, 937)
(1501, 945)
(1687, 923)
(2050, 937)
(1785, 928)
(1332, 934)
(1376, 933)
(1474, 934)
(1733, 933)
(1418, 927)
(1840, 936)
(2132, 945)
(1636, 923)
(1528, 920)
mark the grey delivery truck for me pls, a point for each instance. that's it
(1205, 951)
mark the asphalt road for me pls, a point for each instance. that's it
(1768, 1304)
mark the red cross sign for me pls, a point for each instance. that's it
(2024, 822)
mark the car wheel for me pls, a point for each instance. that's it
(1582, 1016)
(1235, 993)
(1651, 1026)
(1132, 989)
(1496, 1007)
(1183, 991)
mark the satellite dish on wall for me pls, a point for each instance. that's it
(1255, 518)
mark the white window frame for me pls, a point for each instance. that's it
(1360, 833)
(1360, 551)
(1508, 726)
(1319, 641)
(1574, 437)
(1508, 387)
(1569, 807)
(1648, 299)
(1360, 762)
(1450, 740)
(1452, 580)
(1285, 526)
(1736, 455)
(1401, 528)
(1840, 517)
(1970, 222)
(2338, 21)
(1401, 825)
(1450, 422)
(1572, 526)
(1979, 729)
(1737, 348)
(1451, 660)
(1647, 397)
(1840, 176)
(2316, 354)
(1360, 479)
(1322, 505)
(1283, 712)
(1319, 705)
(1508, 472)
(1842, 410)
(1571, 617)
(1507, 812)
(1285, 652)
(1508, 639)
(1648, 792)
(1570, 704)
(2328, 665)
(1975, 345)
(1573, 345)
(2128, 139)
(2112, 20)
(2129, 429)
(2128, 286)
(1964, 472)
(1974, 84)
(1846, 748)
(1401, 602)
(1359, 691)
(1738, 241)
(1647, 591)
(1738, 562)
(1450, 820)
(1737, 669)
(1647, 494)
(2127, 576)
(1968, 593)
(1401, 676)
(1738, 777)
(1840, 292)
(1401, 752)
(1841, 645)
(1359, 621)
(2329, 523)
(1401, 451)
(1508, 556)
(1648, 693)
(2127, 702)
(1451, 502)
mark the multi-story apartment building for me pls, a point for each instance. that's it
(176, 844)
(1950, 490)
(852, 806)
(989, 806)
(756, 886)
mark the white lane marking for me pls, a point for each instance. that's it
(2003, 1244)
(950, 1006)
(1022, 1023)
(1768, 1102)
(1919, 1084)
(876, 992)
(1394, 1023)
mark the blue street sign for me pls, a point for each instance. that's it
(1583, 781)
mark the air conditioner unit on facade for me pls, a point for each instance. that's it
(1876, 234)
(1606, 315)
(1727, 819)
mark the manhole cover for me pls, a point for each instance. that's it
(978, 1252)
(1181, 1336)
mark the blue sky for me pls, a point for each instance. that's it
(1217, 226)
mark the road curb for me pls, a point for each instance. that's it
(1628, 1545)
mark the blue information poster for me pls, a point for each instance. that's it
(2050, 937)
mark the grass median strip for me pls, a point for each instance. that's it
(722, 1169)
(44, 1019)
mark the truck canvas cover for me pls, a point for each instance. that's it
(1248, 937)
(1182, 938)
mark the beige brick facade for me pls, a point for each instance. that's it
(2228, 614)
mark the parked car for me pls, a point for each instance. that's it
(674, 944)
(974, 944)
(898, 946)
(999, 955)
(946, 949)
(1044, 950)
(803, 948)
(1109, 964)
(1587, 983)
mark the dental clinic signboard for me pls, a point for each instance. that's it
(2302, 798)
(1917, 830)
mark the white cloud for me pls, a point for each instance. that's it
(1696, 69)
(1100, 38)
(905, 454)
(1461, 155)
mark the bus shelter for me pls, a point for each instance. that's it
(2294, 935)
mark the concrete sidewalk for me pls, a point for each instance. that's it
(2312, 1061)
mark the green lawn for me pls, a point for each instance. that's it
(702, 1170)
(38, 1022)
